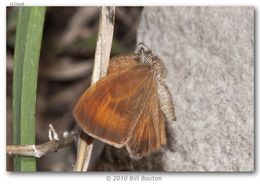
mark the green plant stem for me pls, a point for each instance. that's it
(26, 60)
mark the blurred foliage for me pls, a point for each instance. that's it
(87, 45)
(11, 27)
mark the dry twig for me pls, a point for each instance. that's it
(56, 142)
(103, 48)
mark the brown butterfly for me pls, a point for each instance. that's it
(128, 107)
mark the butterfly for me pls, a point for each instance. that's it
(130, 106)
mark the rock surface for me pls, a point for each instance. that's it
(209, 55)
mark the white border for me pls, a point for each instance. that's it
(70, 179)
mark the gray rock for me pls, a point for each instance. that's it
(209, 55)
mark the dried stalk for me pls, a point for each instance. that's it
(56, 142)
(102, 54)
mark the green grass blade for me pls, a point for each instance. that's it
(26, 60)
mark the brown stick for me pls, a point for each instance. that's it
(103, 48)
(38, 151)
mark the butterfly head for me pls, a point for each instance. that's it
(145, 55)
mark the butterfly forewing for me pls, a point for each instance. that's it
(111, 108)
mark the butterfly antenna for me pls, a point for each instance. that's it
(143, 45)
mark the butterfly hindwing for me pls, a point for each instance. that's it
(149, 132)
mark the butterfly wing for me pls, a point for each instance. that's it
(149, 132)
(110, 108)
(122, 62)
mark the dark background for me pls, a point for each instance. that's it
(66, 62)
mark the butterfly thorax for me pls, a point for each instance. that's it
(148, 57)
